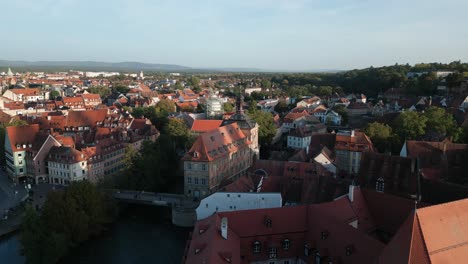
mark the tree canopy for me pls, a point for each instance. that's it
(410, 125)
(68, 218)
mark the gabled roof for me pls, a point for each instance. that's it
(434, 234)
(26, 91)
(217, 143)
(22, 136)
(85, 118)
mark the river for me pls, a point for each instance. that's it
(143, 234)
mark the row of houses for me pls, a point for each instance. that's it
(59, 148)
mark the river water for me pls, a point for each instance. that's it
(143, 234)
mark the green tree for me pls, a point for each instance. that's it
(266, 84)
(267, 128)
(228, 107)
(380, 135)
(325, 91)
(103, 91)
(53, 94)
(440, 123)
(177, 129)
(68, 218)
(120, 88)
(410, 125)
(343, 112)
(178, 86)
(281, 107)
(17, 122)
(166, 106)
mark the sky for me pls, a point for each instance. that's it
(291, 35)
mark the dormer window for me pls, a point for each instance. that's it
(268, 222)
(380, 185)
(257, 247)
(195, 154)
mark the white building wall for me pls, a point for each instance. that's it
(225, 201)
(326, 163)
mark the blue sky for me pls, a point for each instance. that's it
(296, 35)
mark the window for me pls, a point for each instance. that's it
(196, 180)
(189, 180)
(189, 166)
(272, 252)
(21, 170)
(286, 262)
(256, 247)
(380, 184)
(286, 243)
(19, 154)
(204, 167)
(324, 235)
(203, 181)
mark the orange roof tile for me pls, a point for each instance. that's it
(205, 125)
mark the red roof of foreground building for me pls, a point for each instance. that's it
(323, 228)
(435, 234)
(200, 126)
(341, 231)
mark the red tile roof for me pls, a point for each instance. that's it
(85, 118)
(205, 125)
(359, 142)
(434, 234)
(22, 136)
(217, 143)
(26, 91)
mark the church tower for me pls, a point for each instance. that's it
(248, 126)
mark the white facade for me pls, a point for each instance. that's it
(298, 142)
(104, 74)
(251, 90)
(225, 201)
(326, 163)
(63, 173)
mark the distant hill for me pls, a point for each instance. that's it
(91, 66)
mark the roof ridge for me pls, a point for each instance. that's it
(439, 205)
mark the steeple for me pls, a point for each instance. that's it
(9, 73)
(240, 102)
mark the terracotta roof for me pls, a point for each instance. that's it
(434, 234)
(331, 233)
(217, 143)
(26, 91)
(85, 118)
(22, 136)
(67, 155)
(290, 117)
(205, 125)
(359, 142)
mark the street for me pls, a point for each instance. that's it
(11, 194)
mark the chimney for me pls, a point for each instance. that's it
(224, 227)
(351, 193)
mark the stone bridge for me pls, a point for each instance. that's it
(183, 208)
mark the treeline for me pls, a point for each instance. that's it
(370, 81)
(434, 124)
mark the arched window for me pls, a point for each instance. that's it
(380, 185)
(257, 247)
